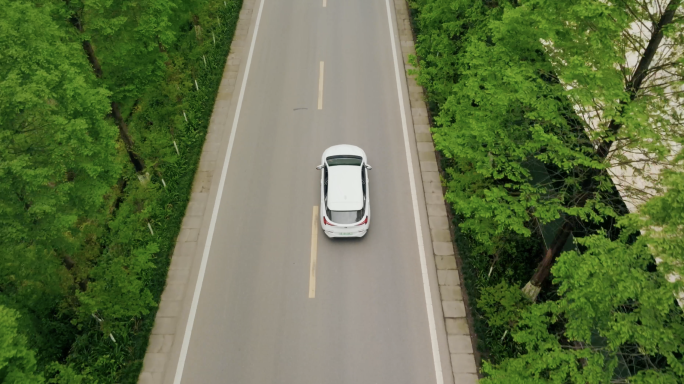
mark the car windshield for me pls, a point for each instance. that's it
(343, 160)
(345, 217)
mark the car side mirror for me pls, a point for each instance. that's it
(320, 167)
(368, 167)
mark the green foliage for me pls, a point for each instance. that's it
(486, 290)
(136, 262)
(498, 311)
(499, 115)
(505, 102)
(616, 316)
(79, 263)
(17, 362)
(57, 163)
(501, 304)
(523, 93)
(64, 374)
(129, 39)
(118, 292)
(57, 152)
(547, 361)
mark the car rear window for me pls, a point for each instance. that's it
(343, 160)
(345, 217)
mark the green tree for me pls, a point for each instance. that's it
(548, 85)
(117, 293)
(616, 319)
(78, 265)
(629, 97)
(125, 42)
(444, 30)
(17, 361)
(119, 289)
(57, 158)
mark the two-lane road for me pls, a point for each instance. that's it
(254, 321)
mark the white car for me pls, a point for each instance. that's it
(345, 203)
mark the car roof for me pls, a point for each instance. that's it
(345, 191)
(344, 149)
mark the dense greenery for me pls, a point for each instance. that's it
(615, 309)
(92, 98)
(536, 104)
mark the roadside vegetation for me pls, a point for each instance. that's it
(104, 107)
(562, 121)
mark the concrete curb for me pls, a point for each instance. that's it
(463, 364)
(167, 334)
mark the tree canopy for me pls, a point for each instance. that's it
(557, 118)
(617, 319)
(91, 95)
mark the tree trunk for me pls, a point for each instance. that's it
(533, 287)
(90, 52)
(126, 138)
(634, 85)
(161, 46)
(589, 185)
(69, 263)
(137, 162)
(87, 47)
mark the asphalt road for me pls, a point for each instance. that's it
(255, 322)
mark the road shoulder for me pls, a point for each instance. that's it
(460, 337)
(163, 351)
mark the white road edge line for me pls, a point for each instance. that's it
(214, 214)
(320, 86)
(416, 213)
(325, 2)
(314, 251)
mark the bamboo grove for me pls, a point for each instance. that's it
(103, 110)
(561, 120)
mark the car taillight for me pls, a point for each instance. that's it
(365, 221)
(326, 222)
